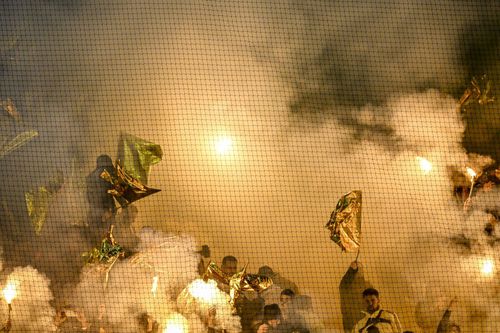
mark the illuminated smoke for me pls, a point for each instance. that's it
(487, 267)
(28, 290)
(316, 109)
(154, 286)
(199, 297)
(223, 145)
(168, 259)
(9, 291)
(425, 165)
(472, 174)
(176, 323)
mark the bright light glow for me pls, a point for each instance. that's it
(487, 267)
(176, 323)
(223, 145)
(425, 165)
(471, 173)
(154, 287)
(203, 291)
(9, 291)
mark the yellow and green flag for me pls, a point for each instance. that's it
(345, 222)
(137, 156)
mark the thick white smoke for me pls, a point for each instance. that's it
(130, 291)
(31, 306)
(199, 297)
(319, 99)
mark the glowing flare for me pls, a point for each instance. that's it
(471, 173)
(204, 291)
(9, 292)
(487, 267)
(154, 287)
(176, 323)
(425, 165)
(223, 145)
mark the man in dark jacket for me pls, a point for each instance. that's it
(351, 286)
(102, 205)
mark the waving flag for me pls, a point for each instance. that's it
(137, 156)
(345, 222)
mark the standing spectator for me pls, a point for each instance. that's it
(291, 320)
(351, 286)
(247, 309)
(101, 202)
(278, 280)
(102, 206)
(272, 318)
(229, 265)
(376, 319)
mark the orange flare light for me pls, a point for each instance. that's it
(9, 291)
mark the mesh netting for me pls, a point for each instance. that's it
(327, 146)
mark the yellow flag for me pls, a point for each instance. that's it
(345, 222)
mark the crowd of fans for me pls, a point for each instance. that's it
(287, 316)
(258, 313)
(259, 317)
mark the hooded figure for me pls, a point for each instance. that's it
(102, 205)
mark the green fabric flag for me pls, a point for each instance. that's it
(38, 200)
(37, 203)
(9, 145)
(137, 156)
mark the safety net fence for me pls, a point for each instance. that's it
(249, 166)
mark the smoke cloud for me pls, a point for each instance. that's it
(31, 308)
(319, 98)
(127, 295)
